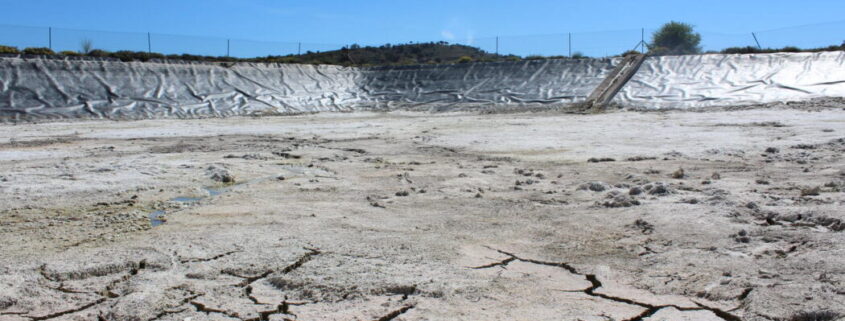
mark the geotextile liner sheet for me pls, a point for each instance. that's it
(39, 88)
(55, 88)
(47, 88)
(525, 83)
(727, 80)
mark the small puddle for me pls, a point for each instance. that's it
(212, 192)
(186, 199)
(157, 217)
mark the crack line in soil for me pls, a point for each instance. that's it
(595, 284)
(105, 294)
(61, 313)
(282, 308)
(395, 313)
(216, 257)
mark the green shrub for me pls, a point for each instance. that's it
(9, 50)
(630, 53)
(534, 57)
(98, 53)
(127, 55)
(38, 51)
(464, 59)
(741, 50)
(69, 53)
(578, 55)
(675, 38)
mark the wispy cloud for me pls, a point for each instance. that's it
(458, 30)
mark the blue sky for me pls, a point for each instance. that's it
(525, 27)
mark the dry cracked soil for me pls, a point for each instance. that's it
(719, 215)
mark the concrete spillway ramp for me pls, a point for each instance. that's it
(613, 82)
(725, 80)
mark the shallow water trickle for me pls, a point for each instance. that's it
(155, 218)
(184, 199)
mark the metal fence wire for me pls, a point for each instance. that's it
(590, 44)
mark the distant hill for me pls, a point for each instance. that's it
(354, 55)
(405, 54)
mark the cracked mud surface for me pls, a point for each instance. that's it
(724, 215)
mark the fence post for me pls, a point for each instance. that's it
(642, 41)
(299, 49)
(757, 41)
(149, 44)
(497, 46)
(570, 45)
(50, 37)
(228, 46)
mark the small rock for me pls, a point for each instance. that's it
(220, 174)
(678, 174)
(772, 150)
(815, 191)
(691, 201)
(617, 199)
(402, 193)
(659, 189)
(636, 190)
(593, 186)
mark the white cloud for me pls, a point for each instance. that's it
(470, 37)
(448, 35)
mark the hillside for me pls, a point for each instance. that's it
(405, 54)
(354, 55)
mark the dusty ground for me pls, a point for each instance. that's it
(407, 216)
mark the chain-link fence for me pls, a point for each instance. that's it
(589, 44)
(61, 39)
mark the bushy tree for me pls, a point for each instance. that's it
(675, 38)
(85, 46)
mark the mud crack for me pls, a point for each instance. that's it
(105, 294)
(216, 257)
(281, 308)
(395, 313)
(262, 315)
(61, 313)
(595, 284)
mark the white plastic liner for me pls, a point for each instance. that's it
(55, 88)
(41, 88)
(730, 80)
(37, 88)
(525, 83)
